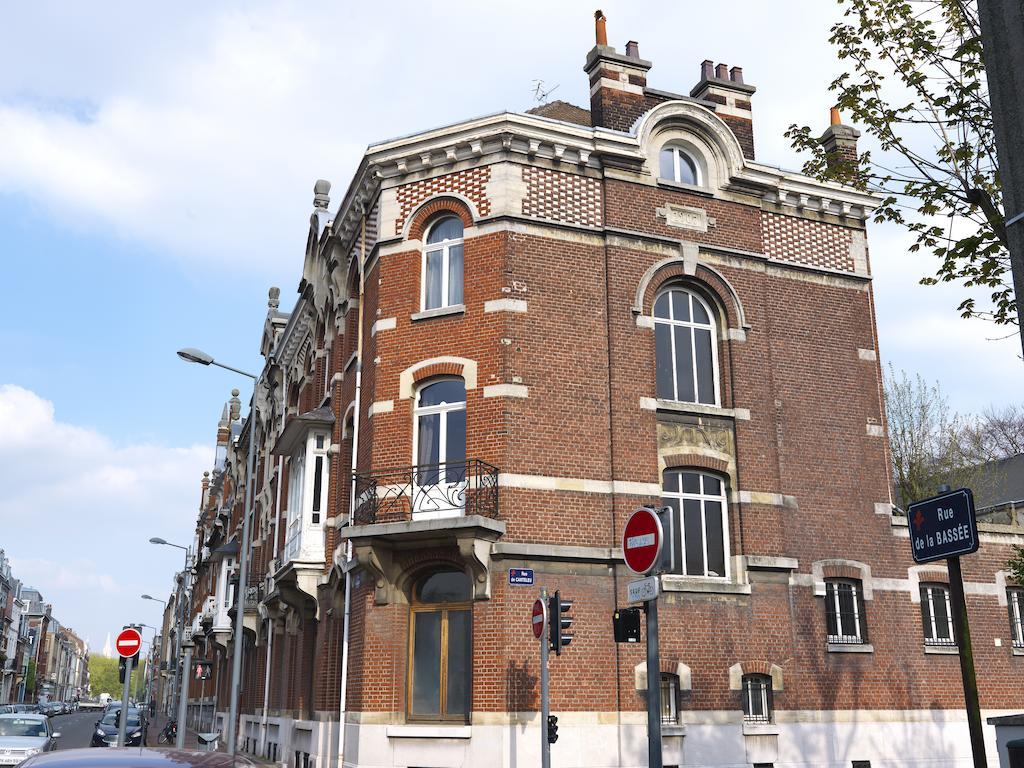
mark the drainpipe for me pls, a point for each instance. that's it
(352, 496)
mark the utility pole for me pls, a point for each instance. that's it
(1002, 39)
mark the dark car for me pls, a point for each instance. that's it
(135, 758)
(105, 732)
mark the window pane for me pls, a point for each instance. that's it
(444, 391)
(693, 537)
(684, 364)
(700, 314)
(941, 614)
(663, 361)
(831, 619)
(926, 613)
(680, 305)
(449, 228)
(847, 625)
(455, 275)
(705, 368)
(455, 448)
(687, 170)
(671, 483)
(712, 485)
(429, 447)
(716, 538)
(318, 475)
(691, 482)
(445, 587)
(459, 624)
(426, 664)
(668, 699)
(666, 166)
(433, 280)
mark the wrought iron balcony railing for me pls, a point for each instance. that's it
(455, 488)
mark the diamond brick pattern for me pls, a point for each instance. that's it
(562, 197)
(787, 238)
(470, 184)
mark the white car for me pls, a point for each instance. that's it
(23, 735)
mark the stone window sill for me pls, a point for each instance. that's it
(695, 409)
(1017, 651)
(942, 650)
(430, 731)
(760, 729)
(669, 184)
(673, 730)
(672, 583)
(850, 648)
(426, 314)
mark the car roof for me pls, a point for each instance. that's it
(134, 757)
(22, 716)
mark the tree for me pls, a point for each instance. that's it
(916, 82)
(997, 434)
(103, 677)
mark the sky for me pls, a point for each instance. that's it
(156, 174)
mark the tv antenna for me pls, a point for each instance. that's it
(541, 95)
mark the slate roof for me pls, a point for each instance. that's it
(1004, 482)
(564, 111)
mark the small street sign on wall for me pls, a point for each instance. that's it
(520, 577)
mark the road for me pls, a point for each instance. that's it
(75, 729)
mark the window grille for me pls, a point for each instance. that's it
(844, 612)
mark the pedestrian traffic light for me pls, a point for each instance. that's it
(552, 729)
(559, 621)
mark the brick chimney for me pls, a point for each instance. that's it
(840, 143)
(725, 87)
(617, 81)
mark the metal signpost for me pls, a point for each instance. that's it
(642, 541)
(187, 645)
(129, 643)
(944, 526)
(540, 626)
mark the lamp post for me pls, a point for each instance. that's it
(179, 678)
(192, 355)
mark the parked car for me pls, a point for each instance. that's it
(138, 758)
(6, 709)
(26, 708)
(23, 735)
(49, 708)
(105, 733)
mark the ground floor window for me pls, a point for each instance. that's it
(844, 612)
(1015, 604)
(936, 618)
(669, 698)
(757, 698)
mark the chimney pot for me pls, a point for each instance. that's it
(707, 69)
(722, 72)
(633, 49)
(833, 117)
(736, 75)
(600, 31)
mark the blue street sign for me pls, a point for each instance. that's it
(943, 526)
(520, 577)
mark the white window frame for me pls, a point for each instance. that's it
(680, 496)
(748, 696)
(832, 598)
(442, 439)
(302, 518)
(676, 151)
(672, 323)
(928, 604)
(1015, 601)
(445, 247)
(670, 695)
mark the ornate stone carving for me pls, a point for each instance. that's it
(685, 217)
(699, 436)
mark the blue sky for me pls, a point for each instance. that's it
(156, 178)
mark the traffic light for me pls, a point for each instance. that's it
(552, 729)
(121, 670)
(558, 622)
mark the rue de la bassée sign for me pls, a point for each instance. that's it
(943, 526)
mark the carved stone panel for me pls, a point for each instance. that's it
(685, 217)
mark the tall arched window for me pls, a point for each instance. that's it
(442, 264)
(440, 647)
(676, 164)
(686, 353)
(702, 538)
(439, 443)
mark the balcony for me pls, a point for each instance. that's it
(454, 489)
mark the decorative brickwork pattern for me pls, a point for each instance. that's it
(841, 572)
(470, 184)
(426, 214)
(788, 238)
(696, 460)
(562, 197)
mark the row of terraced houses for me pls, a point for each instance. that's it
(510, 332)
(40, 659)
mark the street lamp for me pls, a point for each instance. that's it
(192, 355)
(179, 629)
(154, 599)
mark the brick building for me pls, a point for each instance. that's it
(510, 333)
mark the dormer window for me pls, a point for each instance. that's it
(678, 165)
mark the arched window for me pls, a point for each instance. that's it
(757, 698)
(676, 164)
(440, 647)
(686, 355)
(439, 444)
(701, 539)
(442, 264)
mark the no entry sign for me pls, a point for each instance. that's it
(129, 642)
(539, 618)
(943, 526)
(642, 541)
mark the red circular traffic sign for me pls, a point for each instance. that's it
(642, 540)
(129, 642)
(539, 618)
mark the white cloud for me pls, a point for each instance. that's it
(78, 509)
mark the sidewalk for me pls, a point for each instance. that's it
(157, 724)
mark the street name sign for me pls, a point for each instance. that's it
(129, 643)
(520, 577)
(539, 618)
(643, 590)
(943, 526)
(642, 540)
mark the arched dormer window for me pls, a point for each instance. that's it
(442, 264)
(677, 164)
(686, 353)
